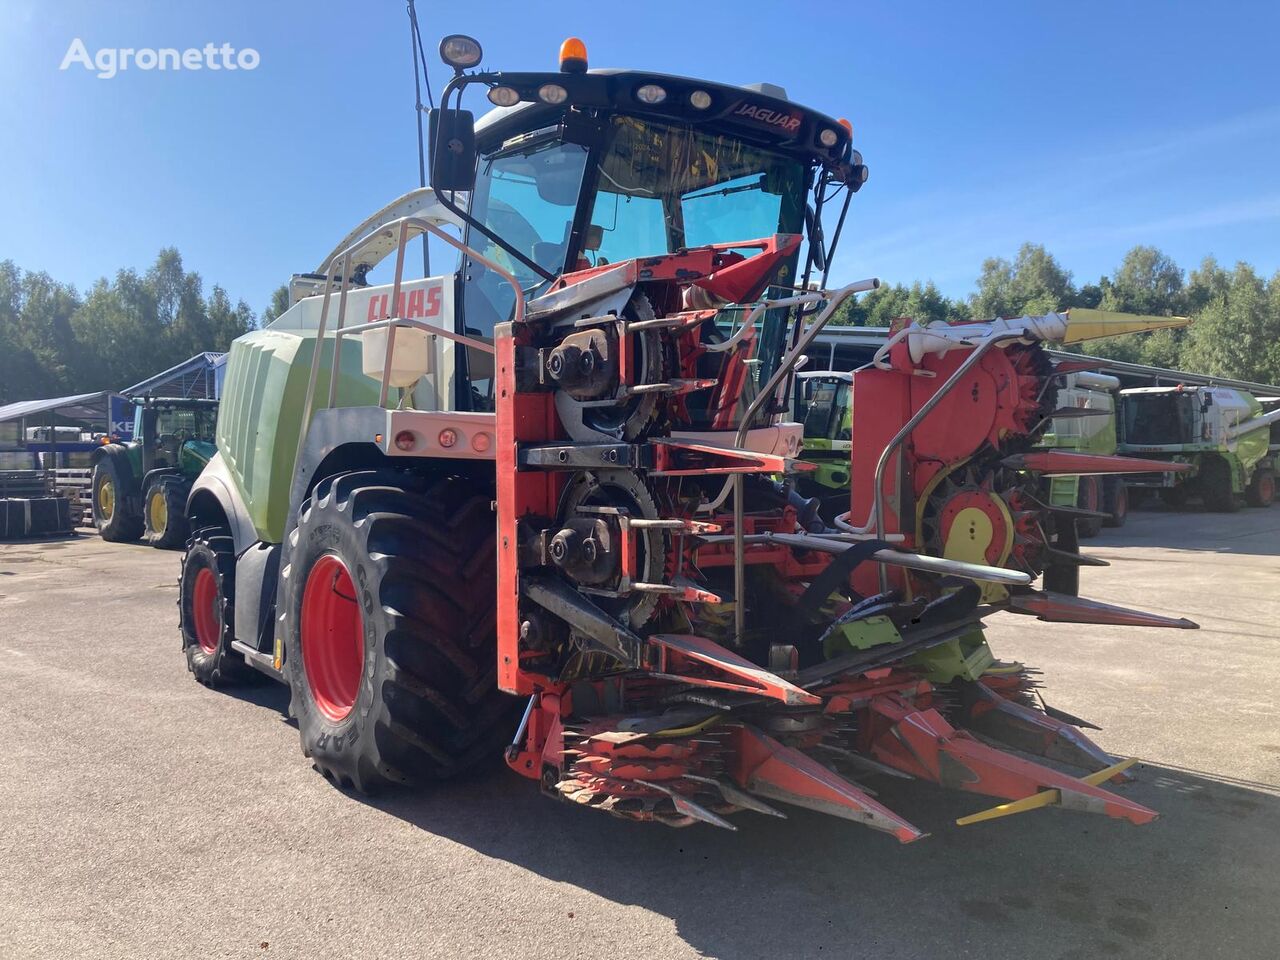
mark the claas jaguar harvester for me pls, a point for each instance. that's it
(544, 505)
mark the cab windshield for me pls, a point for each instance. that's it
(650, 188)
(662, 188)
(655, 188)
(1158, 418)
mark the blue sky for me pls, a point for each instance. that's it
(1087, 126)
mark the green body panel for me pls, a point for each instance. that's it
(133, 449)
(833, 474)
(861, 635)
(966, 658)
(1093, 435)
(261, 414)
(1254, 445)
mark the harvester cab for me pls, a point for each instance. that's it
(688, 639)
(140, 487)
(824, 405)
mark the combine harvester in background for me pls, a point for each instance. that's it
(1221, 435)
(686, 638)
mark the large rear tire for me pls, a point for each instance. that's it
(388, 619)
(164, 511)
(1262, 488)
(206, 608)
(113, 511)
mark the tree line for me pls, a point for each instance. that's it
(56, 341)
(1236, 313)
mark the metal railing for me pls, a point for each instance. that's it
(338, 272)
(788, 364)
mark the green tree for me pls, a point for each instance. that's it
(994, 297)
(37, 342)
(1034, 283)
(1237, 332)
(923, 302)
(1147, 281)
(225, 321)
(1039, 284)
(279, 304)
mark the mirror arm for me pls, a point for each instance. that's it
(446, 197)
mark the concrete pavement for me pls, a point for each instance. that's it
(142, 815)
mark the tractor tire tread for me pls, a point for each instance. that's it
(428, 552)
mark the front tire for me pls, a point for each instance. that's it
(1116, 502)
(1089, 497)
(164, 512)
(206, 608)
(1216, 488)
(388, 619)
(113, 512)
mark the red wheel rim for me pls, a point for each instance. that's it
(332, 635)
(204, 610)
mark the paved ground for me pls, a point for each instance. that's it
(144, 816)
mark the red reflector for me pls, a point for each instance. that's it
(481, 442)
(406, 439)
(448, 437)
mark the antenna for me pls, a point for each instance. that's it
(415, 37)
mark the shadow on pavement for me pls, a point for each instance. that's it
(1049, 884)
(1251, 531)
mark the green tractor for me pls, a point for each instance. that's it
(140, 486)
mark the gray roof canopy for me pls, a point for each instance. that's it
(81, 406)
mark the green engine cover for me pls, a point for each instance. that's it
(261, 414)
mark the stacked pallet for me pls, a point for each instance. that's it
(76, 484)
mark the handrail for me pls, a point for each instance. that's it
(905, 431)
(785, 367)
(339, 271)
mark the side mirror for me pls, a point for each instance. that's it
(453, 150)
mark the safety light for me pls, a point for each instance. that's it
(573, 56)
(828, 137)
(448, 437)
(481, 442)
(651, 94)
(406, 440)
(848, 127)
(504, 96)
(699, 99)
(552, 93)
(460, 51)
